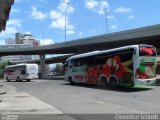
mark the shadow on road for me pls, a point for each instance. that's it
(18, 81)
(119, 89)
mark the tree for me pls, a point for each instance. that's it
(3, 65)
(58, 68)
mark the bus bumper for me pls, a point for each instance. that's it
(146, 82)
(32, 77)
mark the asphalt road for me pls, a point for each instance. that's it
(89, 99)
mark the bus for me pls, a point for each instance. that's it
(21, 72)
(125, 66)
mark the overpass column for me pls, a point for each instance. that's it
(42, 66)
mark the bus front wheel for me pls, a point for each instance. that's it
(103, 82)
(70, 80)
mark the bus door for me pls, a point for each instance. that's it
(79, 71)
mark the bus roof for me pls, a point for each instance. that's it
(104, 51)
(19, 65)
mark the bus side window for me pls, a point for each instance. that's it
(11, 70)
(72, 64)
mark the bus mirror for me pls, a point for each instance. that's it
(70, 66)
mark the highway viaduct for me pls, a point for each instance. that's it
(145, 35)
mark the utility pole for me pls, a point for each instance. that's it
(65, 29)
(106, 22)
(106, 13)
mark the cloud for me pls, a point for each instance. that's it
(38, 15)
(9, 30)
(14, 22)
(66, 3)
(131, 17)
(113, 26)
(13, 10)
(18, 1)
(96, 6)
(47, 41)
(12, 26)
(123, 10)
(91, 4)
(111, 17)
(70, 31)
(59, 21)
(102, 7)
(80, 34)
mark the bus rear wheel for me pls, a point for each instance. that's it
(17, 80)
(113, 83)
(103, 82)
(28, 80)
(7, 79)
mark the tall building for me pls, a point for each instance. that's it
(18, 37)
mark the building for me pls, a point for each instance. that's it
(10, 41)
(26, 38)
(18, 38)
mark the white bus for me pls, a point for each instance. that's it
(125, 66)
(21, 72)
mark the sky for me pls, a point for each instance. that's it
(45, 19)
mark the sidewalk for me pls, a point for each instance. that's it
(14, 102)
(23, 106)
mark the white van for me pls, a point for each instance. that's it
(21, 72)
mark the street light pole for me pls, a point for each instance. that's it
(106, 13)
(106, 21)
(66, 21)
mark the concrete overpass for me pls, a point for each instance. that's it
(144, 35)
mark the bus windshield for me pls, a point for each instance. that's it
(147, 51)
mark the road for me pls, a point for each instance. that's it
(89, 99)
